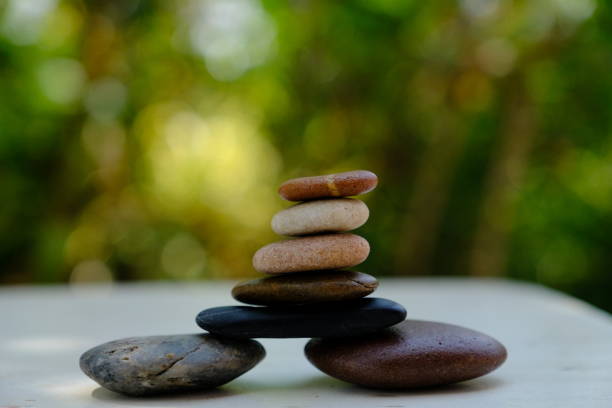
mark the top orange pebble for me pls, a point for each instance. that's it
(345, 184)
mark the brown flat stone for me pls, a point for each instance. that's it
(345, 184)
(410, 354)
(307, 287)
(318, 252)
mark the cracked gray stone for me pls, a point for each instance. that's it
(167, 364)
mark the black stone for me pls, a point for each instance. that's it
(168, 364)
(332, 319)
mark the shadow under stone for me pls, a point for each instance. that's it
(313, 382)
(104, 395)
(476, 385)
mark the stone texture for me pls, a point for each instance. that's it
(332, 319)
(306, 287)
(334, 215)
(331, 251)
(332, 185)
(163, 364)
(409, 355)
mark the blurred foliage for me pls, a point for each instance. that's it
(146, 139)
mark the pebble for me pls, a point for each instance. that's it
(333, 319)
(411, 354)
(166, 364)
(334, 215)
(345, 184)
(330, 251)
(305, 287)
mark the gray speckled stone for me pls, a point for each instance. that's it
(162, 364)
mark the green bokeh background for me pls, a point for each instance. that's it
(146, 139)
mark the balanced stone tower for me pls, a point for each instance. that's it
(310, 292)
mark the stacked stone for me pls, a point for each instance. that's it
(311, 292)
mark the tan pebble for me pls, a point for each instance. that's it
(320, 252)
(334, 215)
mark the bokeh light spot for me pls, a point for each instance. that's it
(61, 80)
(91, 271)
(23, 20)
(212, 162)
(105, 99)
(183, 257)
(232, 36)
(496, 56)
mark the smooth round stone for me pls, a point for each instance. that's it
(330, 251)
(332, 319)
(345, 184)
(335, 215)
(164, 364)
(411, 354)
(306, 287)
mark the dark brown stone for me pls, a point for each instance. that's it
(345, 184)
(308, 287)
(410, 354)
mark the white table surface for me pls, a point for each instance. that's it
(560, 349)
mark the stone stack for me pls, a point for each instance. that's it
(310, 292)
